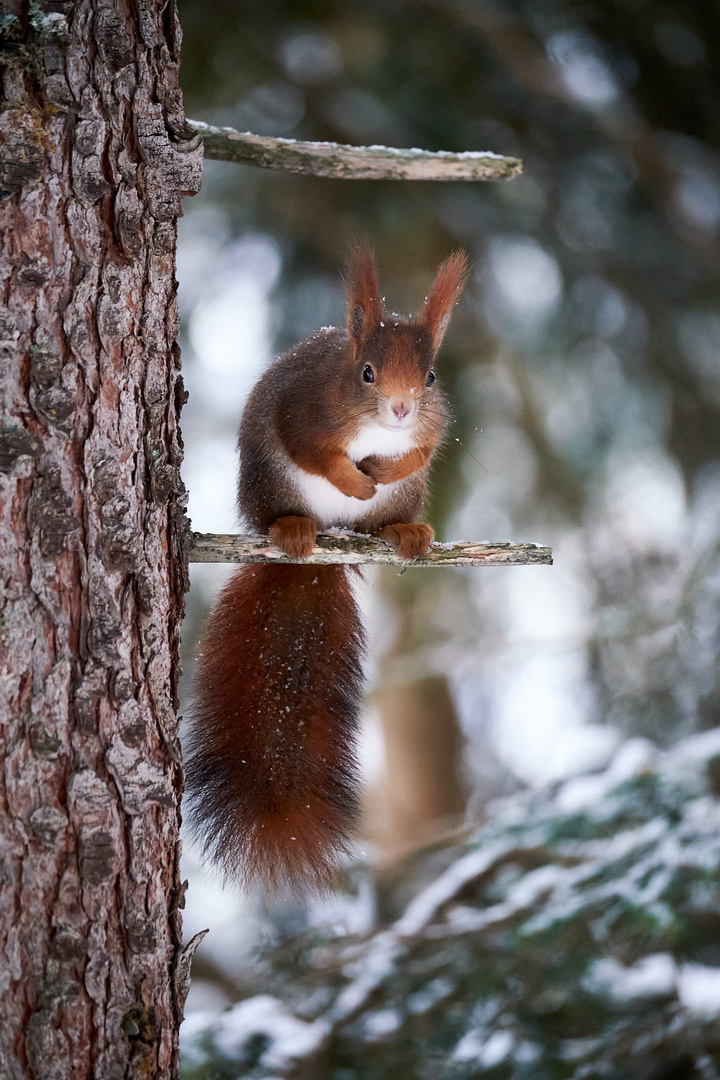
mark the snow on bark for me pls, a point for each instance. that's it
(341, 546)
(340, 162)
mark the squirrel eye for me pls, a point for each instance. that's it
(430, 379)
(368, 374)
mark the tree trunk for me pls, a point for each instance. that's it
(421, 794)
(95, 160)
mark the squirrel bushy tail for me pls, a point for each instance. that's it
(272, 778)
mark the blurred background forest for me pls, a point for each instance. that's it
(582, 366)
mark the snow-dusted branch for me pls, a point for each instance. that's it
(340, 162)
(347, 547)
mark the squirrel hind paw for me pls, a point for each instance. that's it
(409, 541)
(294, 535)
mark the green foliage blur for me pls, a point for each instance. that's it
(583, 365)
(575, 937)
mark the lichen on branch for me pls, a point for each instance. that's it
(352, 548)
(341, 162)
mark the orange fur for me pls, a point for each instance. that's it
(410, 541)
(449, 283)
(389, 470)
(295, 535)
(365, 308)
(271, 778)
(271, 775)
(336, 467)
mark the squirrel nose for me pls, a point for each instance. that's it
(400, 409)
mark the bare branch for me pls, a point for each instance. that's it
(348, 547)
(340, 162)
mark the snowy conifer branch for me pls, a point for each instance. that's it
(340, 162)
(347, 547)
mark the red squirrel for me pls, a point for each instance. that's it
(338, 431)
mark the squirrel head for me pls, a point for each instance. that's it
(392, 357)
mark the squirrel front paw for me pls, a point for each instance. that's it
(409, 541)
(358, 485)
(381, 470)
(295, 535)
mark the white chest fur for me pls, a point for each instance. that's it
(374, 438)
(327, 505)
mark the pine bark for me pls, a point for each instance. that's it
(94, 160)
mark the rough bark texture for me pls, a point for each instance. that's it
(340, 547)
(95, 160)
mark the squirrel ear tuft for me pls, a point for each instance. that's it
(365, 308)
(449, 283)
